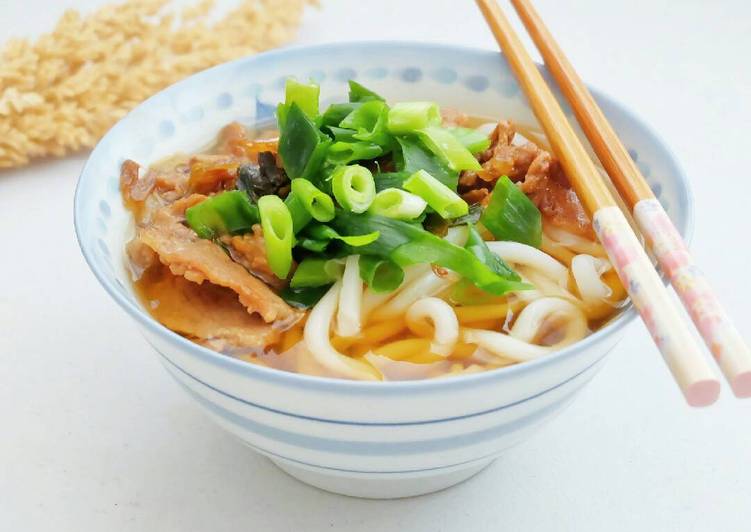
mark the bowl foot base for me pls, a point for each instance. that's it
(381, 485)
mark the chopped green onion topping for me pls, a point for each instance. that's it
(369, 120)
(475, 141)
(381, 275)
(397, 203)
(318, 204)
(414, 156)
(324, 233)
(511, 215)
(440, 198)
(303, 297)
(353, 187)
(444, 144)
(346, 152)
(278, 234)
(336, 112)
(358, 93)
(409, 117)
(302, 146)
(305, 95)
(229, 212)
(315, 271)
(300, 215)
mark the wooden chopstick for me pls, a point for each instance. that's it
(685, 360)
(714, 325)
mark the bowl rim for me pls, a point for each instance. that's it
(332, 384)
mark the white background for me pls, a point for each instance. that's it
(95, 436)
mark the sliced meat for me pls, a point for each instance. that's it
(548, 188)
(212, 173)
(250, 251)
(205, 312)
(538, 173)
(198, 260)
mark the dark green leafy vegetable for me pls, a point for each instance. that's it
(407, 243)
(302, 146)
(315, 271)
(511, 215)
(381, 275)
(303, 297)
(475, 141)
(414, 156)
(229, 212)
(262, 179)
(347, 152)
(358, 93)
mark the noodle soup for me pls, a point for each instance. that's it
(369, 241)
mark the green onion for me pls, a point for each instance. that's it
(300, 215)
(311, 244)
(381, 275)
(346, 152)
(409, 117)
(358, 93)
(511, 215)
(477, 246)
(414, 156)
(276, 222)
(303, 297)
(318, 204)
(407, 243)
(302, 146)
(324, 233)
(353, 187)
(370, 120)
(228, 212)
(342, 134)
(444, 144)
(440, 197)
(397, 203)
(336, 112)
(384, 180)
(314, 271)
(475, 141)
(305, 95)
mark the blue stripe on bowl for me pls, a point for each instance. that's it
(379, 448)
(376, 424)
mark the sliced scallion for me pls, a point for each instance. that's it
(278, 234)
(398, 203)
(353, 187)
(440, 198)
(409, 117)
(318, 204)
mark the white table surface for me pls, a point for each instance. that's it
(95, 436)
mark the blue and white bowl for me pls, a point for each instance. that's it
(392, 439)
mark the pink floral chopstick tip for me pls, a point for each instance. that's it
(723, 339)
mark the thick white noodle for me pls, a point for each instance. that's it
(316, 336)
(529, 256)
(517, 346)
(348, 321)
(372, 300)
(443, 318)
(428, 285)
(587, 271)
(575, 242)
(531, 320)
(503, 345)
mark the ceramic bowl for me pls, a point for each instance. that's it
(365, 439)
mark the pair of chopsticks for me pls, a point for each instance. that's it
(671, 333)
